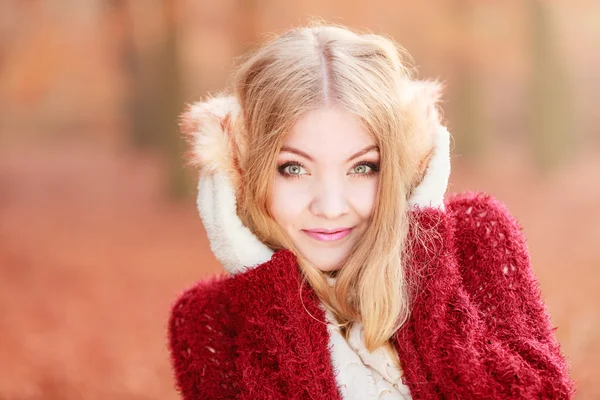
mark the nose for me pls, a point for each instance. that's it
(329, 199)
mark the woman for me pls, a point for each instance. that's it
(322, 192)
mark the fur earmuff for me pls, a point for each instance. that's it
(421, 99)
(429, 144)
(217, 144)
(213, 129)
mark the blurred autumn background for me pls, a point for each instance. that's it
(98, 227)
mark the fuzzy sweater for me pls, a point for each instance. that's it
(478, 327)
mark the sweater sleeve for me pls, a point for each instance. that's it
(201, 342)
(481, 304)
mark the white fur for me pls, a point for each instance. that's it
(210, 124)
(232, 243)
(430, 192)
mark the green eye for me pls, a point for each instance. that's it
(293, 169)
(361, 169)
(364, 169)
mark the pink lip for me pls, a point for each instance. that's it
(327, 235)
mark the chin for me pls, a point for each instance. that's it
(325, 259)
(326, 264)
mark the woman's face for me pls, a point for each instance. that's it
(325, 187)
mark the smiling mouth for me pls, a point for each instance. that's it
(324, 236)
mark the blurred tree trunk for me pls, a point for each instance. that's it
(170, 102)
(467, 99)
(139, 104)
(469, 113)
(155, 101)
(552, 116)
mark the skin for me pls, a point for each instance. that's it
(321, 183)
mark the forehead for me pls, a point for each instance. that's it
(329, 132)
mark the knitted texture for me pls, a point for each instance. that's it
(478, 327)
(252, 336)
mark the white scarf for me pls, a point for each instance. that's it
(361, 374)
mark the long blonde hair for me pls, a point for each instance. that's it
(368, 75)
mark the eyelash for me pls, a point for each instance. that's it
(374, 169)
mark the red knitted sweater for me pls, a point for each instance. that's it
(478, 328)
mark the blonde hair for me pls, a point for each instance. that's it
(367, 75)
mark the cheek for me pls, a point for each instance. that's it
(287, 202)
(364, 197)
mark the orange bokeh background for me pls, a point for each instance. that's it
(98, 227)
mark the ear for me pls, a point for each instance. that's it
(212, 129)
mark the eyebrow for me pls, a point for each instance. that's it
(294, 150)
